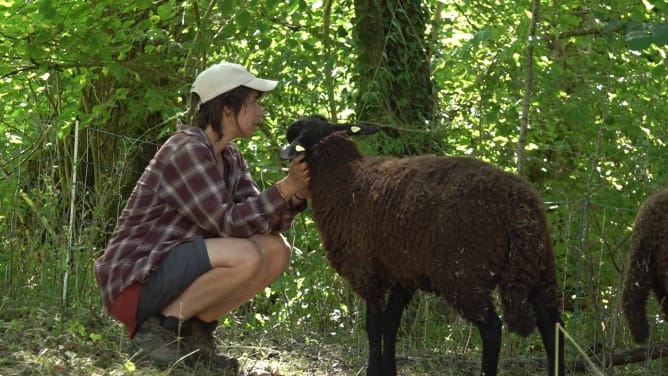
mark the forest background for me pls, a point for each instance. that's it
(571, 94)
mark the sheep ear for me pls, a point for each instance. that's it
(360, 129)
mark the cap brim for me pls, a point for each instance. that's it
(260, 84)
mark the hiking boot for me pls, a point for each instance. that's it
(200, 338)
(200, 341)
(161, 344)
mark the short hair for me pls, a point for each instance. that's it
(211, 112)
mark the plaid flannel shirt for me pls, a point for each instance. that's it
(184, 192)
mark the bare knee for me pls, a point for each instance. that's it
(276, 252)
(253, 262)
(260, 258)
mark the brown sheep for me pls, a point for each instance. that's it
(648, 265)
(456, 227)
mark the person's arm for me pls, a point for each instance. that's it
(192, 184)
(295, 182)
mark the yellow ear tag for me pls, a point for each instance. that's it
(299, 148)
(355, 129)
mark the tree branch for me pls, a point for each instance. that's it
(636, 355)
(528, 84)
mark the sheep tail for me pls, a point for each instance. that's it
(636, 290)
(518, 312)
(530, 277)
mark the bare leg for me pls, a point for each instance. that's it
(240, 268)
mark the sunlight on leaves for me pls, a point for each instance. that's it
(129, 366)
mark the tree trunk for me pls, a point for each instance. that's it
(394, 70)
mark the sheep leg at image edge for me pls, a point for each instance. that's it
(490, 332)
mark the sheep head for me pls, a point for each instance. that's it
(306, 133)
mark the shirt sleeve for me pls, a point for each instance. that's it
(247, 188)
(286, 217)
(192, 183)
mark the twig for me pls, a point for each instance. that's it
(528, 86)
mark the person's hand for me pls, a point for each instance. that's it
(297, 180)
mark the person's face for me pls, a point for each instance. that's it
(244, 125)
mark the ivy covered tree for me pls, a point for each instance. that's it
(394, 69)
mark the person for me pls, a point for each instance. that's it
(197, 237)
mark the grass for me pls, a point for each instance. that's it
(49, 340)
(36, 341)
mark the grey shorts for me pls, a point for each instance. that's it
(178, 270)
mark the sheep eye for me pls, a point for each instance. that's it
(355, 129)
(299, 148)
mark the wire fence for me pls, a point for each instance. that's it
(49, 252)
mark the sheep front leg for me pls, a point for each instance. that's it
(374, 332)
(397, 301)
(490, 332)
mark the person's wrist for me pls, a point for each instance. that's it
(280, 190)
(289, 185)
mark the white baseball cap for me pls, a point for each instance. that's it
(221, 78)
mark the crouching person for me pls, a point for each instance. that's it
(197, 238)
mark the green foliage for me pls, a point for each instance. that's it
(440, 78)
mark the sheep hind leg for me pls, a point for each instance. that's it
(546, 321)
(396, 302)
(490, 332)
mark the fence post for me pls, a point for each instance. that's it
(578, 265)
(70, 233)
